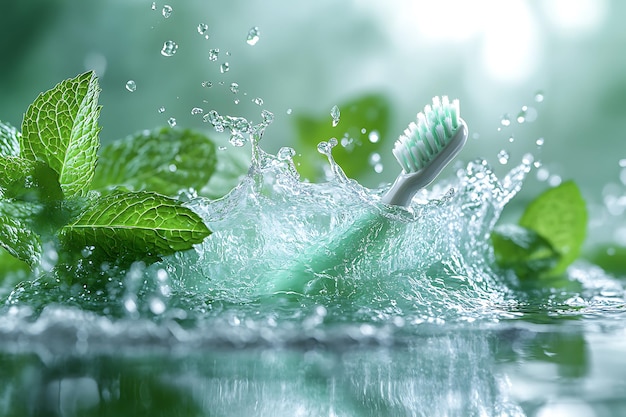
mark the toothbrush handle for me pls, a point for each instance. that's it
(320, 267)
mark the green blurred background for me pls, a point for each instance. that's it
(495, 56)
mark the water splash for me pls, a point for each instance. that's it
(335, 114)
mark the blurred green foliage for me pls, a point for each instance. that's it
(361, 131)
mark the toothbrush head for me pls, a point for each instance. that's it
(425, 138)
(426, 147)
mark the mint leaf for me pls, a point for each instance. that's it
(19, 241)
(559, 215)
(130, 224)
(369, 113)
(26, 180)
(9, 140)
(12, 169)
(523, 251)
(61, 129)
(165, 160)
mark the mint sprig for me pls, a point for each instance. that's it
(46, 174)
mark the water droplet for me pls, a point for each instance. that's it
(253, 36)
(157, 306)
(234, 88)
(131, 86)
(289, 111)
(521, 116)
(171, 121)
(511, 139)
(347, 142)
(237, 138)
(373, 136)
(378, 168)
(87, 251)
(161, 109)
(554, 180)
(169, 48)
(539, 96)
(172, 167)
(214, 54)
(543, 174)
(335, 114)
(225, 67)
(622, 163)
(153, 7)
(268, 117)
(505, 120)
(503, 157)
(196, 111)
(202, 30)
(528, 159)
(324, 148)
(207, 84)
(539, 142)
(622, 176)
(221, 148)
(236, 101)
(374, 158)
(167, 11)
(258, 101)
(286, 153)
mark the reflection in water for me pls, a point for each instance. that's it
(441, 374)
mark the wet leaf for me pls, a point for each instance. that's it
(9, 140)
(60, 128)
(559, 215)
(19, 241)
(523, 251)
(143, 224)
(164, 160)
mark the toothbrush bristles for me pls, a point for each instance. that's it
(422, 140)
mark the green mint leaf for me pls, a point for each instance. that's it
(136, 224)
(13, 169)
(165, 160)
(61, 129)
(9, 140)
(26, 180)
(559, 215)
(19, 241)
(523, 250)
(369, 114)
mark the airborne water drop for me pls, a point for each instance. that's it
(169, 48)
(253, 36)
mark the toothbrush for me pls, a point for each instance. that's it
(423, 150)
